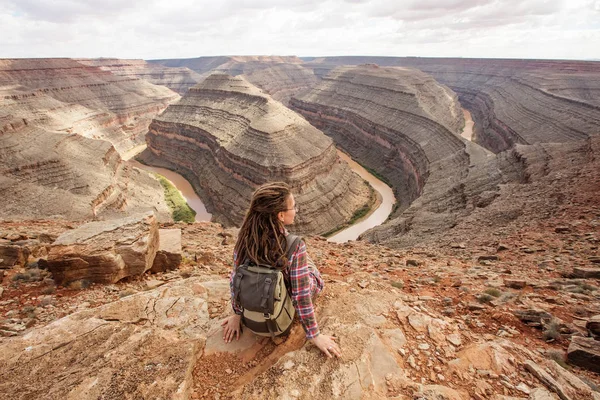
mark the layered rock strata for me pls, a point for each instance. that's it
(55, 175)
(168, 257)
(281, 77)
(178, 79)
(396, 121)
(511, 101)
(282, 81)
(64, 96)
(228, 137)
(233, 64)
(104, 251)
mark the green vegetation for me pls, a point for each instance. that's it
(377, 175)
(398, 284)
(358, 214)
(181, 211)
(485, 298)
(551, 331)
(493, 292)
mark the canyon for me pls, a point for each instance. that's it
(484, 283)
(227, 137)
(62, 126)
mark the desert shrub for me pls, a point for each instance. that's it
(398, 284)
(49, 289)
(80, 284)
(551, 331)
(485, 298)
(559, 357)
(21, 276)
(493, 292)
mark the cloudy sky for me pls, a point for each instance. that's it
(564, 29)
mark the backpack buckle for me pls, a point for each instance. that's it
(267, 315)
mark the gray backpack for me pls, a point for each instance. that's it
(261, 291)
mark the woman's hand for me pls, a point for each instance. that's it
(327, 345)
(231, 328)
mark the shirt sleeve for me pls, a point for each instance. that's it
(303, 286)
(236, 309)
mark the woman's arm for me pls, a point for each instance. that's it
(301, 285)
(305, 282)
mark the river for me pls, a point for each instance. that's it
(376, 217)
(184, 187)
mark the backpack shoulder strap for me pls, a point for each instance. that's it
(292, 243)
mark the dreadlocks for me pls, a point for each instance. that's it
(262, 238)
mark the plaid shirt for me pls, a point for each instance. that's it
(306, 283)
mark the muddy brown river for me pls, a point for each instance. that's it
(376, 217)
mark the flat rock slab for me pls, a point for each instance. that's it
(584, 352)
(104, 251)
(581, 272)
(141, 347)
(168, 257)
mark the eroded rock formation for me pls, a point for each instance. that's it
(396, 121)
(228, 137)
(50, 166)
(281, 77)
(178, 79)
(55, 175)
(105, 251)
(511, 101)
(62, 95)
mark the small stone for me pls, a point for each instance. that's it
(502, 247)
(562, 229)
(352, 290)
(423, 346)
(295, 393)
(363, 284)
(229, 371)
(523, 388)
(515, 283)
(289, 364)
(412, 263)
(1, 291)
(454, 339)
(487, 258)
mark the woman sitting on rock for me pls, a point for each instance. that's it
(262, 240)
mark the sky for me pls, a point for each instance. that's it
(151, 29)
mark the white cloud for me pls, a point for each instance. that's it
(191, 28)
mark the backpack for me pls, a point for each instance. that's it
(261, 291)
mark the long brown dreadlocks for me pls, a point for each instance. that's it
(262, 238)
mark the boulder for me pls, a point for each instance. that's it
(585, 353)
(11, 255)
(533, 317)
(104, 251)
(168, 256)
(515, 283)
(582, 272)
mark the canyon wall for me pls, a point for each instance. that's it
(280, 77)
(396, 121)
(64, 96)
(511, 101)
(67, 176)
(51, 110)
(178, 79)
(227, 137)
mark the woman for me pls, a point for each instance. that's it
(262, 240)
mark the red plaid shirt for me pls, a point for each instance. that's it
(306, 283)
